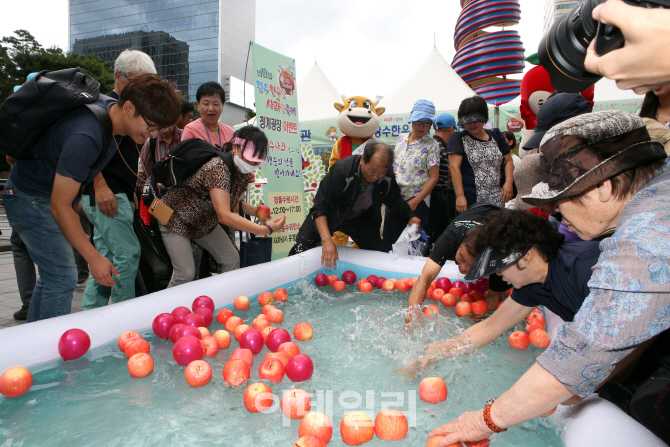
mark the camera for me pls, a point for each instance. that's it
(563, 48)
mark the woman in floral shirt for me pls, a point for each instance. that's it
(416, 167)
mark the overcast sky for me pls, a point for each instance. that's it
(363, 47)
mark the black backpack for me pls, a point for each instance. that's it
(184, 160)
(42, 101)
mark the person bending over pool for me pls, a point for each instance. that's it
(349, 199)
(528, 253)
(457, 244)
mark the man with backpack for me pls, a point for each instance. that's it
(47, 178)
(109, 201)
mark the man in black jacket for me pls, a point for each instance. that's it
(349, 199)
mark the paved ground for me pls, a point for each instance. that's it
(10, 301)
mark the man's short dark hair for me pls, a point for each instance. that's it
(211, 88)
(154, 98)
(371, 149)
(506, 230)
(186, 106)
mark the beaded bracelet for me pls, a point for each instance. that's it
(487, 418)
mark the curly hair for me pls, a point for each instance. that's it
(506, 230)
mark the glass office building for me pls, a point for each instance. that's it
(190, 42)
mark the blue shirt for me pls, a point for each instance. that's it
(72, 144)
(565, 287)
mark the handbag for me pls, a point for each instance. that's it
(254, 250)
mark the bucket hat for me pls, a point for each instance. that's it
(554, 111)
(423, 110)
(588, 149)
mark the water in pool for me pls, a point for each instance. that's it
(358, 344)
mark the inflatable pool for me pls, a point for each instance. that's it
(594, 422)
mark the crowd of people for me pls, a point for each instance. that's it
(584, 235)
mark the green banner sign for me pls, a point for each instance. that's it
(274, 84)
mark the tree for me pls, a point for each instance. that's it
(21, 55)
(249, 114)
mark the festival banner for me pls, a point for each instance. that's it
(274, 84)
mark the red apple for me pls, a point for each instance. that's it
(339, 286)
(402, 285)
(321, 280)
(433, 390)
(174, 331)
(266, 331)
(281, 295)
(232, 323)
(243, 354)
(463, 308)
(430, 310)
(276, 338)
(443, 283)
(413, 281)
(73, 344)
(449, 300)
(211, 346)
(519, 340)
(391, 425)
(372, 279)
(332, 279)
(289, 348)
(198, 373)
(162, 325)
(252, 340)
(203, 301)
(380, 282)
(458, 293)
(272, 370)
(356, 428)
(204, 332)
(508, 292)
(140, 365)
(299, 368)
(265, 298)
(303, 332)
(437, 294)
(468, 298)
(539, 338)
(236, 372)
(258, 397)
(388, 285)
(206, 315)
(309, 441)
(189, 330)
(548, 413)
(187, 349)
(482, 285)
(533, 324)
(15, 381)
(349, 277)
(367, 287)
(263, 212)
(223, 338)
(458, 284)
(241, 303)
(135, 346)
(361, 282)
(275, 316)
(429, 293)
(194, 320)
(295, 403)
(317, 424)
(279, 356)
(479, 307)
(267, 308)
(469, 287)
(180, 312)
(223, 315)
(126, 337)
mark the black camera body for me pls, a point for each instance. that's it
(563, 48)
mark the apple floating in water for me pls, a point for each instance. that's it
(321, 280)
(180, 312)
(356, 428)
(162, 325)
(469, 287)
(174, 331)
(443, 283)
(433, 390)
(73, 344)
(316, 424)
(482, 285)
(198, 373)
(140, 365)
(187, 349)
(276, 337)
(252, 340)
(391, 425)
(372, 279)
(349, 277)
(380, 282)
(203, 301)
(458, 284)
(299, 367)
(194, 320)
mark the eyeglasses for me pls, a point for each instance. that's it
(155, 127)
(422, 123)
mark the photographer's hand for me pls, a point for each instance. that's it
(644, 61)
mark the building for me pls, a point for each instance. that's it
(190, 42)
(554, 9)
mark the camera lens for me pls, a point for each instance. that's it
(563, 49)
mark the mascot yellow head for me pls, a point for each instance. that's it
(359, 116)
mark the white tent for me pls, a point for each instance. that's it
(316, 96)
(435, 81)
